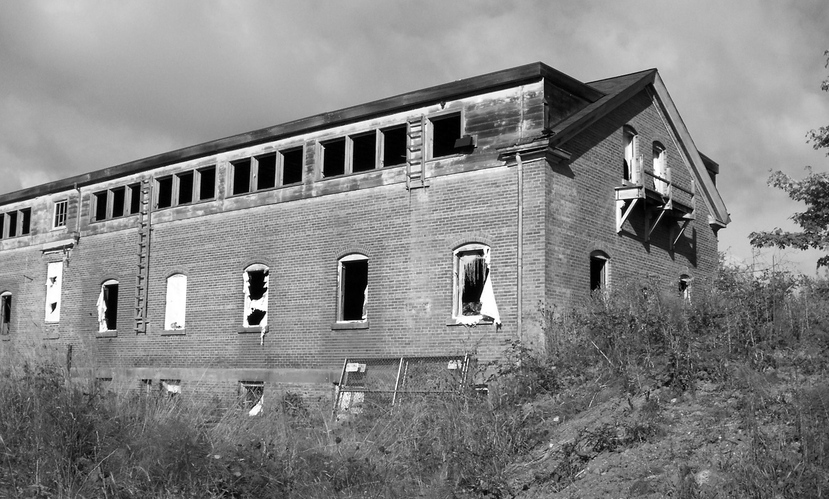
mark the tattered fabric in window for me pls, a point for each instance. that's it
(54, 276)
(256, 296)
(476, 299)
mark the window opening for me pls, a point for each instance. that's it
(100, 205)
(54, 282)
(171, 387)
(108, 306)
(174, 312)
(394, 145)
(629, 170)
(2, 225)
(118, 197)
(165, 192)
(292, 162)
(207, 183)
(253, 396)
(256, 280)
(59, 220)
(333, 157)
(135, 198)
(445, 131)
(353, 289)
(146, 386)
(660, 169)
(185, 187)
(241, 176)
(12, 223)
(364, 152)
(26, 221)
(474, 298)
(266, 171)
(598, 271)
(685, 287)
(5, 312)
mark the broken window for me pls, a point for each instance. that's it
(598, 271)
(474, 298)
(59, 218)
(164, 192)
(353, 288)
(5, 312)
(256, 282)
(54, 278)
(660, 169)
(630, 167)
(108, 306)
(394, 145)
(292, 163)
(252, 399)
(685, 287)
(333, 157)
(171, 387)
(146, 386)
(174, 311)
(446, 130)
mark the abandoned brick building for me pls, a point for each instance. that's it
(384, 230)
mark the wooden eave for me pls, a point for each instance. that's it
(449, 91)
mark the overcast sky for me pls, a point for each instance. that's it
(85, 85)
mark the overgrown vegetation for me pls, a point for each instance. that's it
(761, 339)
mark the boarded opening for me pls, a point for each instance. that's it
(333, 158)
(26, 221)
(266, 173)
(365, 150)
(165, 192)
(394, 146)
(185, 187)
(354, 280)
(100, 205)
(207, 183)
(445, 131)
(135, 198)
(119, 196)
(292, 166)
(241, 176)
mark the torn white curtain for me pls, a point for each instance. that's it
(257, 408)
(54, 276)
(102, 311)
(260, 304)
(170, 387)
(488, 306)
(176, 302)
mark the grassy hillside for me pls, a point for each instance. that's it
(640, 393)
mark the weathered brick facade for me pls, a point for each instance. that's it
(547, 158)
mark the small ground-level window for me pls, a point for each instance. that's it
(54, 278)
(171, 387)
(598, 271)
(146, 386)
(5, 312)
(175, 308)
(353, 288)
(252, 398)
(474, 299)
(108, 306)
(256, 282)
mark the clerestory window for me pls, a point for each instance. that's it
(266, 171)
(363, 152)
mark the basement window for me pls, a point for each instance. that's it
(174, 310)
(171, 387)
(598, 271)
(394, 145)
(446, 129)
(5, 312)
(256, 282)
(145, 385)
(253, 396)
(353, 288)
(54, 281)
(107, 306)
(59, 214)
(292, 163)
(473, 297)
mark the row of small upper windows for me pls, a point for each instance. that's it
(15, 223)
(632, 166)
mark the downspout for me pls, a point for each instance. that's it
(520, 250)
(77, 215)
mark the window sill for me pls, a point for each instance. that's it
(5, 337)
(349, 325)
(248, 193)
(481, 322)
(174, 332)
(107, 334)
(251, 330)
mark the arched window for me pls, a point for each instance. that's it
(256, 282)
(352, 288)
(631, 167)
(473, 297)
(175, 308)
(108, 306)
(599, 262)
(5, 312)
(660, 169)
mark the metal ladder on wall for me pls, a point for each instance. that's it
(416, 162)
(144, 238)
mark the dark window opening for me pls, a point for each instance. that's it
(255, 317)
(253, 392)
(292, 163)
(207, 183)
(474, 270)
(135, 198)
(12, 224)
(26, 221)
(165, 192)
(394, 146)
(118, 197)
(266, 173)
(257, 286)
(241, 176)
(445, 131)
(598, 273)
(185, 187)
(2, 225)
(110, 292)
(333, 162)
(5, 313)
(365, 151)
(100, 205)
(354, 276)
